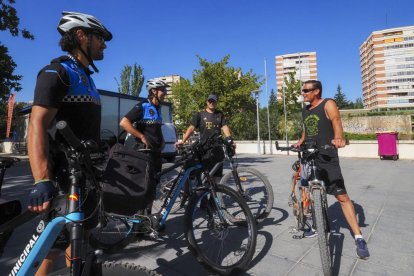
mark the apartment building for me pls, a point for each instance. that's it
(387, 69)
(303, 64)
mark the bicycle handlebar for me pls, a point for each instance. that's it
(73, 141)
(303, 148)
(69, 136)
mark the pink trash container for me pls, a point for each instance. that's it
(387, 145)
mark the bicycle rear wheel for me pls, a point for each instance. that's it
(221, 230)
(258, 193)
(116, 233)
(321, 223)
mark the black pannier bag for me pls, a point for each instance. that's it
(127, 180)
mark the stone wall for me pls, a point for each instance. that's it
(373, 124)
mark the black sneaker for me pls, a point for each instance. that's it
(310, 233)
(362, 248)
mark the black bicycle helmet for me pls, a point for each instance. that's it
(72, 20)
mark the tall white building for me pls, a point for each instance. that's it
(303, 64)
(387, 69)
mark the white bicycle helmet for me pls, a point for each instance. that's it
(72, 20)
(155, 83)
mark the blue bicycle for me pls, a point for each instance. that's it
(219, 226)
(68, 210)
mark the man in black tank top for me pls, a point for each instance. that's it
(209, 122)
(322, 124)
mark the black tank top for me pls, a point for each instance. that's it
(318, 127)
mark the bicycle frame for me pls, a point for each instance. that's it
(40, 243)
(47, 231)
(171, 198)
(233, 168)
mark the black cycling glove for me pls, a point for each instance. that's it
(42, 191)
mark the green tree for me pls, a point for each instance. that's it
(291, 92)
(9, 81)
(9, 21)
(340, 99)
(132, 79)
(358, 104)
(274, 117)
(233, 88)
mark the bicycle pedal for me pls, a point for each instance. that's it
(154, 235)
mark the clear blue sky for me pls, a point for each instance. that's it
(164, 36)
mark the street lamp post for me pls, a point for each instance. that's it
(284, 111)
(257, 118)
(268, 112)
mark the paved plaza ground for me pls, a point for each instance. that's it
(381, 191)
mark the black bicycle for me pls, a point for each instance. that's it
(219, 226)
(251, 184)
(68, 210)
(315, 192)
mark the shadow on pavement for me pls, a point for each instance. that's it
(338, 220)
(273, 220)
(336, 238)
(250, 161)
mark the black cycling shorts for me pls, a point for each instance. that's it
(330, 173)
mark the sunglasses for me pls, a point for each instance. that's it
(99, 37)
(162, 89)
(308, 90)
(212, 101)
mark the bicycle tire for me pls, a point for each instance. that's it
(116, 233)
(237, 230)
(258, 192)
(320, 220)
(125, 269)
(114, 268)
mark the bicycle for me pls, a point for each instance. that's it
(220, 229)
(251, 184)
(67, 210)
(315, 193)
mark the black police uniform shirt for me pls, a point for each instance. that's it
(147, 119)
(208, 123)
(66, 84)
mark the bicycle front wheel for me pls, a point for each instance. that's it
(221, 230)
(257, 191)
(125, 269)
(112, 268)
(115, 233)
(321, 223)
